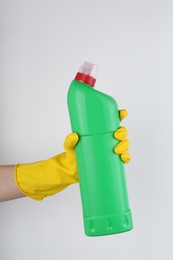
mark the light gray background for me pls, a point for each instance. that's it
(42, 45)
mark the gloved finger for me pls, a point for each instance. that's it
(122, 114)
(71, 141)
(69, 145)
(122, 147)
(126, 157)
(121, 133)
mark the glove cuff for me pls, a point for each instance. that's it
(45, 178)
(22, 185)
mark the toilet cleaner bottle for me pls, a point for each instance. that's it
(94, 117)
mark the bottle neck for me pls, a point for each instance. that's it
(85, 79)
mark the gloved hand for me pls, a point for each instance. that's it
(46, 178)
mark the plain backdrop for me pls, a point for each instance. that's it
(42, 45)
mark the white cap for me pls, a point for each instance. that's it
(89, 69)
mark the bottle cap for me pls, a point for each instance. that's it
(87, 73)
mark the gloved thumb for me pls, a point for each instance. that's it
(69, 145)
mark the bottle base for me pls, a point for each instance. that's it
(108, 225)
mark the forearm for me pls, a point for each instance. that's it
(8, 187)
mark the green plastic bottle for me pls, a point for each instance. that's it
(94, 117)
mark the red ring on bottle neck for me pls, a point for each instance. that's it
(85, 79)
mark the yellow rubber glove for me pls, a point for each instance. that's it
(45, 178)
(122, 147)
